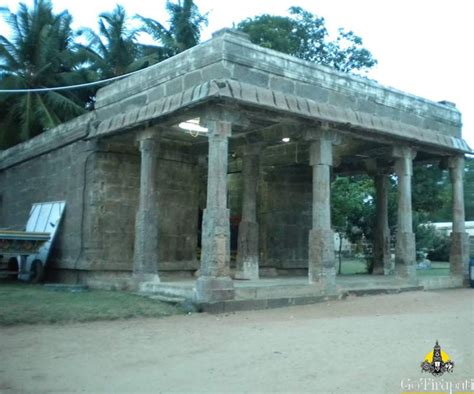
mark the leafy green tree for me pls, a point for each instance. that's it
(469, 187)
(114, 50)
(38, 54)
(352, 208)
(431, 193)
(304, 35)
(183, 33)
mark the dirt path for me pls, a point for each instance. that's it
(366, 344)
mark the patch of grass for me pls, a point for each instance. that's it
(358, 266)
(437, 269)
(34, 304)
(352, 266)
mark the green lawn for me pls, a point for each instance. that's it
(437, 269)
(32, 304)
(358, 266)
(352, 266)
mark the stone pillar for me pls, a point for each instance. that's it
(382, 260)
(248, 252)
(214, 282)
(322, 260)
(145, 257)
(459, 255)
(405, 250)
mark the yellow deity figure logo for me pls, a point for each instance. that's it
(437, 362)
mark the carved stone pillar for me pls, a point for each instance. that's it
(214, 283)
(322, 260)
(382, 260)
(459, 255)
(248, 251)
(405, 250)
(145, 257)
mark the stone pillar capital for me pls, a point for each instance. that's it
(152, 133)
(404, 156)
(455, 162)
(217, 114)
(403, 152)
(322, 133)
(320, 152)
(218, 129)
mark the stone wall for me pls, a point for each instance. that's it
(53, 176)
(100, 182)
(285, 216)
(112, 205)
(283, 205)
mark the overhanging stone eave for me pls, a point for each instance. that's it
(157, 110)
(232, 50)
(257, 97)
(293, 69)
(55, 138)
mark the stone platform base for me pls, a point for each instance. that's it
(263, 293)
(283, 292)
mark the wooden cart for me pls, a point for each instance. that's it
(16, 247)
(25, 253)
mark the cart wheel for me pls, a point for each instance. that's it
(37, 271)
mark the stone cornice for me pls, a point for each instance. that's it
(48, 141)
(261, 98)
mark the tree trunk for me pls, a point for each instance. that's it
(340, 253)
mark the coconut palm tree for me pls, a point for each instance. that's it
(184, 31)
(114, 50)
(37, 54)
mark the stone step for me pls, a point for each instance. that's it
(167, 299)
(441, 282)
(282, 302)
(265, 303)
(276, 291)
(168, 290)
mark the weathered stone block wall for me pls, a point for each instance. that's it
(100, 184)
(112, 206)
(285, 216)
(178, 210)
(53, 176)
(234, 185)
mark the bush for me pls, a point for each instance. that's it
(369, 263)
(440, 251)
(436, 243)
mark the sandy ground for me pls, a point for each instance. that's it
(364, 344)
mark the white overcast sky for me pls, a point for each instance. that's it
(424, 47)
